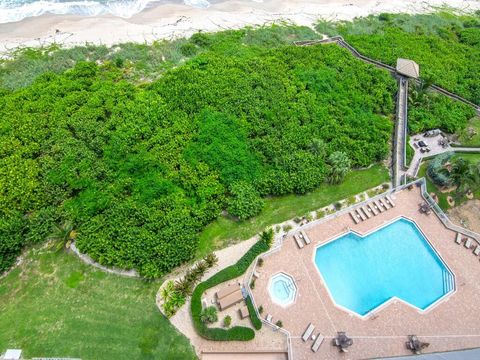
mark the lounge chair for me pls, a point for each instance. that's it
(308, 332)
(305, 237)
(361, 214)
(318, 341)
(269, 318)
(244, 312)
(365, 210)
(476, 252)
(458, 239)
(384, 203)
(389, 199)
(379, 206)
(298, 241)
(372, 207)
(354, 217)
(468, 243)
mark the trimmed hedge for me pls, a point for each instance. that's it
(256, 322)
(236, 333)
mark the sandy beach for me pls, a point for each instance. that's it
(168, 21)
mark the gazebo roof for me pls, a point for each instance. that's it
(408, 68)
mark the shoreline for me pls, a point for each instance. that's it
(171, 21)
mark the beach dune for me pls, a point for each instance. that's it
(169, 21)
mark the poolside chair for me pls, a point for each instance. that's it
(298, 241)
(389, 199)
(308, 332)
(360, 213)
(468, 243)
(373, 209)
(305, 237)
(269, 318)
(379, 206)
(384, 203)
(318, 341)
(355, 220)
(458, 239)
(366, 211)
(476, 252)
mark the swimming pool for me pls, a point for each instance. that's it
(282, 289)
(362, 273)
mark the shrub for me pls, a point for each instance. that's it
(436, 171)
(245, 201)
(279, 323)
(209, 315)
(188, 49)
(237, 333)
(227, 321)
(260, 262)
(287, 228)
(256, 322)
(252, 284)
(260, 309)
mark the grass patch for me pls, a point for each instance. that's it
(470, 136)
(410, 152)
(279, 209)
(61, 307)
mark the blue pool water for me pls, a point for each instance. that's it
(362, 273)
(282, 289)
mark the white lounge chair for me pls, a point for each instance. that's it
(361, 214)
(458, 239)
(468, 243)
(389, 199)
(379, 206)
(298, 241)
(366, 212)
(305, 237)
(269, 318)
(372, 207)
(384, 203)
(354, 217)
(306, 335)
(476, 252)
(318, 341)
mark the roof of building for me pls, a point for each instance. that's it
(408, 68)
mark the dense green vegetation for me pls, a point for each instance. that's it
(445, 46)
(239, 333)
(281, 208)
(53, 305)
(140, 170)
(465, 176)
(256, 322)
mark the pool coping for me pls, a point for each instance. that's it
(393, 299)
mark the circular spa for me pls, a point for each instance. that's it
(282, 289)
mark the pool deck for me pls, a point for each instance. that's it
(454, 323)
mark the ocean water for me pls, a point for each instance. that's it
(362, 273)
(16, 10)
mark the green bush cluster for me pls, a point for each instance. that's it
(436, 171)
(140, 170)
(238, 333)
(256, 322)
(444, 45)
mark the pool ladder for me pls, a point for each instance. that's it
(448, 283)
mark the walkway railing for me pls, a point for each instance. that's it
(341, 42)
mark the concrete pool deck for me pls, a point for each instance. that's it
(453, 323)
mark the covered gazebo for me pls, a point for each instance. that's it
(408, 68)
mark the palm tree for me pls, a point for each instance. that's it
(177, 299)
(339, 167)
(167, 290)
(211, 260)
(209, 315)
(184, 286)
(318, 147)
(418, 94)
(463, 176)
(62, 235)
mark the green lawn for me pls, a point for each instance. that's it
(54, 305)
(279, 209)
(472, 139)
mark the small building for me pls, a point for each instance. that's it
(408, 68)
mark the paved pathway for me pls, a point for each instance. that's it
(399, 141)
